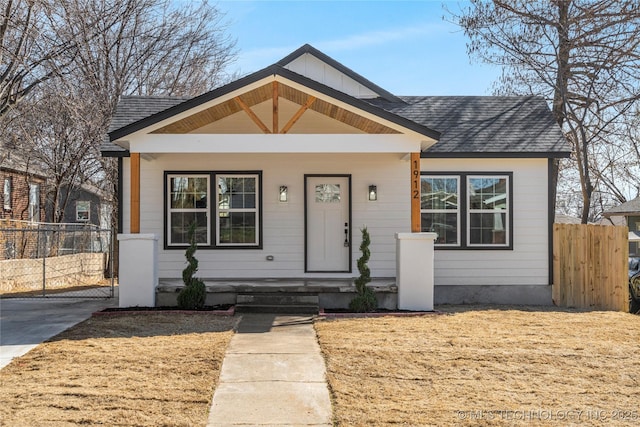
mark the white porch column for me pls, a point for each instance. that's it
(414, 270)
(138, 273)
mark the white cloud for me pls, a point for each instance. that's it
(255, 59)
(375, 38)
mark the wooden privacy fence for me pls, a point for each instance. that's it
(590, 266)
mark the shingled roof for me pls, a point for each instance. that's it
(465, 126)
(131, 109)
(632, 207)
(488, 126)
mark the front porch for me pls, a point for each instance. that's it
(267, 292)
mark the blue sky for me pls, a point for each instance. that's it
(403, 46)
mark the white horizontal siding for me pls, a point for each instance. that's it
(283, 223)
(315, 69)
(527, 263)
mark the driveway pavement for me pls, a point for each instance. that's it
(25, 323)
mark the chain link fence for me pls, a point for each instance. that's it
(55, 260)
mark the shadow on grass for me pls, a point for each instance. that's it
(148, 325)
(463, 308)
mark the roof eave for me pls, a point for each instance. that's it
(272, 70)
(495, 155)
(112, 153)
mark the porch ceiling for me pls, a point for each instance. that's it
(273, 91)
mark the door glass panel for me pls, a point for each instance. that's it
(328, 193)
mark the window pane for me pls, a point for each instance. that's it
(188, 192)
(487, 193)
(7, 194)
(328, 193)
(237, 193)
(439, 193)
(237, 215)
(238, 227)
(82, 210)
(445, 224)
(250, 201)
(487, 228)
(180, 222)
(34, 202)
(237, 201)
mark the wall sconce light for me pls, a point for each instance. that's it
(373, 193)
(284, 194)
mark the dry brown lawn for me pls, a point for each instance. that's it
(133, 370)
(483, 366)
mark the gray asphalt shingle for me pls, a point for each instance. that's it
(484, 124)
(631, 207)
(130, 109)
(467, 125)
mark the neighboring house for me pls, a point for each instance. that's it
(21, 188)
(282, 168)
(86, 204)
(628, 214)
(566, 219)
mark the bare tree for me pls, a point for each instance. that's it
(54, 132)
(121, 47)
(35, 46)
(149, 47)
(583, 56)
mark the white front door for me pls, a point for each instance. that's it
(328, 228)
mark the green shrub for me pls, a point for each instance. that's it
(192, 297)
(365, 300)
(194, 293)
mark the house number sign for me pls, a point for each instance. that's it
(415, 192)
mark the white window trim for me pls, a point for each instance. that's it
(34, 214)
(450, 211)
(88, 211)
(170, 210)
(504, 211)
(6, 194)
(255, 210)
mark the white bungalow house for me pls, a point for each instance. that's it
(282, 168)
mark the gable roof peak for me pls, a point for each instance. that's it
(308, 49)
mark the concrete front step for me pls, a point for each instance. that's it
(294, 303)
(277, 309)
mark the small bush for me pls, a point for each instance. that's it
(366, 298)
(192, 297)
(364, 302)
(194, 293)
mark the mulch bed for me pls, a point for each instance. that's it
(345, 314)
(220, 310)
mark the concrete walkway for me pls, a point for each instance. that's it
(25, 323)
(272, 374)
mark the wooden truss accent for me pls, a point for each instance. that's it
(252, 115)
(274, 91)
(275, 107)
(298, 114)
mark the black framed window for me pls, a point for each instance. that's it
(468, 210)
(439, 208)
(237, 210)
(232, 220)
